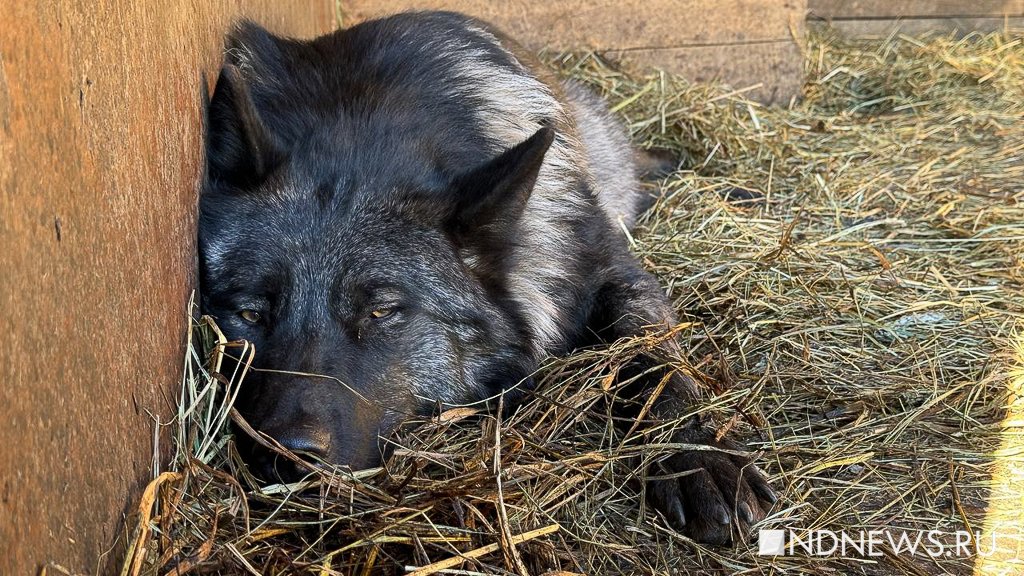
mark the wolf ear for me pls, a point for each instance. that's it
(239, 149)
(254, 50)
(493, 196)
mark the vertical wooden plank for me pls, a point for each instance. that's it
(100, 151)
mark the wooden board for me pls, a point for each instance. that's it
(860, 9)
(704, 64)
(100, 150)
(740, 42)
(881, 28)
(875, 18)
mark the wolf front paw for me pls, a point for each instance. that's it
(713, 496)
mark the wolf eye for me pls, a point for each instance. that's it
(379, 313)
(250, 316)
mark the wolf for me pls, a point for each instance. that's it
(413, 213)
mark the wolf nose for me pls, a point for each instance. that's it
(307, 442)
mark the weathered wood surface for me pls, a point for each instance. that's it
(916, 26)
(739, 42)
(915, 8)
(99, 164)
(874, 18)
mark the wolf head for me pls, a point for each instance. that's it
(360, 241)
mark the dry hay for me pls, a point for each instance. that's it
(850, 278)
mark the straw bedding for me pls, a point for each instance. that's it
(849, 272)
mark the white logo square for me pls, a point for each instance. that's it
(771, 542)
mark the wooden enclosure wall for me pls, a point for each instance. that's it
(869, 18)
(740, 42)
(99, 165)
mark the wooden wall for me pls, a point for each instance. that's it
(872, 18)
(740, 42)
(99, 165)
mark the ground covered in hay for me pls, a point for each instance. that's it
(849, 272)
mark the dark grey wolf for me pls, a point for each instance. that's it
(412, 213)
